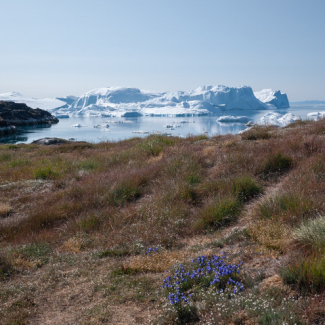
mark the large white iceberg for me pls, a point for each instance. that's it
(119, 101)
(273, 98)
(45, 103)
(132, 102)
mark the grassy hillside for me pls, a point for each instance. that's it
(88, 231)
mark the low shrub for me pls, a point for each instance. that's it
(89, 164)
(189, 193)
(36, 251)
(307, 275)
(311, 234)
(45, 172)
(232, 238)
(113, 253)
(153, 145)
(125, 191)
(245, 188)
(5, 157)
(90, 223)
(218, 213)
(18, 162)
(6, 268)
(257, 133)
(275, 163)
(287, 206)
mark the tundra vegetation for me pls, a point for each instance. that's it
(88, 231)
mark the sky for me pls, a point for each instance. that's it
(68, 47)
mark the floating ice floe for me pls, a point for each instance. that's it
(101, 126)
(316, 115)
(78, 125)
(141, 132)
(232, 119)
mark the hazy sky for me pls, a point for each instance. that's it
(57, 48)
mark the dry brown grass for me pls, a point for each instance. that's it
(157, 262)
(5, 210)
(138, 193)
(270, 233)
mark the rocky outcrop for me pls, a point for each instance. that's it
(6, 128)
(21, 114)
(50, 141)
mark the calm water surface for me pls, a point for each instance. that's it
(121, 131)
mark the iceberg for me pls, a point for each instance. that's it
(289, 118)
(278, 119)
(270, 118)
(47, 104)
(233, 119)
(133, 102)
(273, 98)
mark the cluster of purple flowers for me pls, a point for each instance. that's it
(213, 268)
(152, 250)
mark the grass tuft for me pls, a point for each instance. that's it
(275, 163)
(311, 234)
(270, 233)
(45, 172)
(218, 213)
(307, 275)
(6, 268)
(245, 188)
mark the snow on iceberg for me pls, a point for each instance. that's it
(278, 119)
(273, 98)
(289, 118)
(233, 119)
(270, 118)
(46, 103)
(120, 101)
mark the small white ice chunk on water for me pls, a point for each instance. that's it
(78, 125)
(233, 119)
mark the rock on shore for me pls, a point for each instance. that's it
(13, 114)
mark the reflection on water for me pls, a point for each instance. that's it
(122, 128)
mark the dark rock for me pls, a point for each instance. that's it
(6, 128)
(21, 114)
(50, 141)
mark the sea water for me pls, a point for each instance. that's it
(124, 128)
